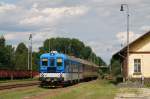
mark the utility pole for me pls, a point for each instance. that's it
(49, 45)
(30, 54)
(10, 61)
(127, 13)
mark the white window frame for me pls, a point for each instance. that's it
(137, 65)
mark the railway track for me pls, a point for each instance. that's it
(3, 87)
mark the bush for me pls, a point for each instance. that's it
(119, 78)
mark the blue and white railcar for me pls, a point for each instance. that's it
(56, 68)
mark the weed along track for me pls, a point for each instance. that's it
(52, 92)
(87, 90)
(96, 89)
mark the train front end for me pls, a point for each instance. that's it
(52, 68)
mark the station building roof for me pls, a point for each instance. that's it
(139, 39)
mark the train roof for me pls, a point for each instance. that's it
(53, 55)
(69, 57)
(83, 61)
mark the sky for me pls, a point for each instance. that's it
(98, 23)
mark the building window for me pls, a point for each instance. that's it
(137, 65)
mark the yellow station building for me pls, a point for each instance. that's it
(139, 58)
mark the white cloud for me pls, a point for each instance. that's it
(47, 16)
(32, 20)
(145, 28)
(38, 38)
(68, 11)
(105, 49)
(6, 7)
(43, 19)
(15, 36)
(122, 37)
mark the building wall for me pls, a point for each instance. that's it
(145, 65)
(142, 45)
(140, 50)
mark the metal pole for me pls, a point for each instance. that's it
(49, 45)
(127, 12)
(31, 55)
(28, 56)
(10, 53)
(127, 39)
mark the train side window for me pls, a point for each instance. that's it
(59, 62)
(44, 62)
(66, 62)
(81, 68)
(52, 62)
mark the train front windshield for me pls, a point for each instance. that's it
(59, 61)
(44, 62)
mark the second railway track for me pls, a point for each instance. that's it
(11, 86)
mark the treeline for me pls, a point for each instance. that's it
(116, 66)
(17, 59)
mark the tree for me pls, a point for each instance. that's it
(86, 52)
(71, 47)
(18, 59)
(6, 55)
(2, 41)
(115, 66)
(2, 46)
(35, 60)
(21, 57)
(10, 54)
(3, 57)
(77, 47)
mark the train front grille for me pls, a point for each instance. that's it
(51, 69)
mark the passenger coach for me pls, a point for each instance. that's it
(57, 68)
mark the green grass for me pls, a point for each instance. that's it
(92, 90)
(21, 93)
(98, 89)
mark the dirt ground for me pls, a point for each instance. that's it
(138, 93)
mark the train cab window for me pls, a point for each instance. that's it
(44, 62)
(59, 61)
(52, 62)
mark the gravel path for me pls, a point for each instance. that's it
(141, 93)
